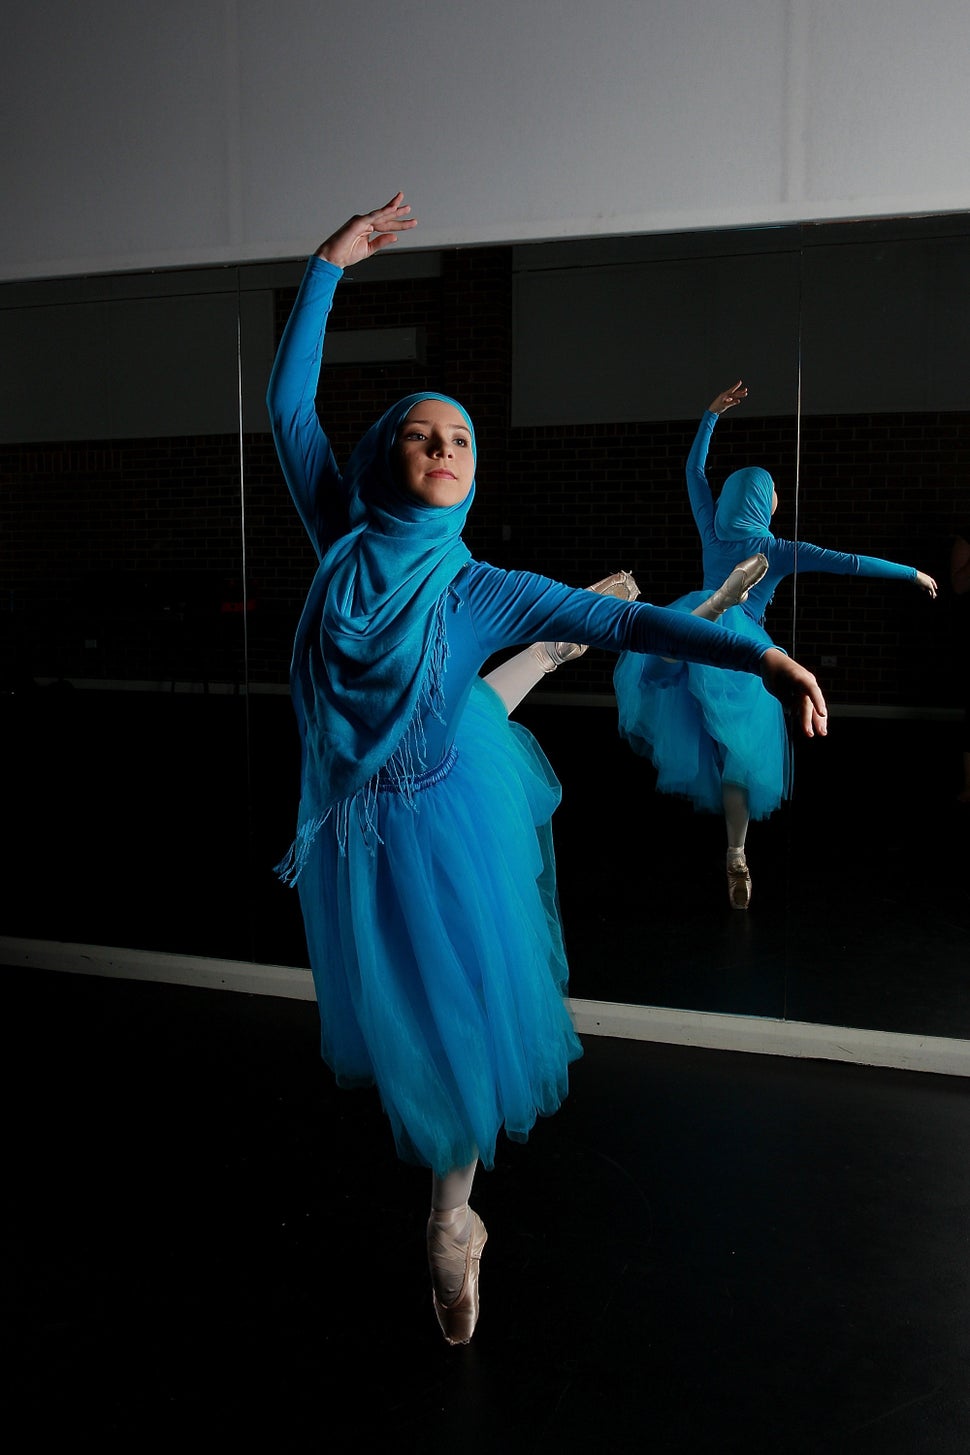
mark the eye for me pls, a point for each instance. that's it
(461, 440)
(412, 434)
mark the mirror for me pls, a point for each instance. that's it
(637, 343)
(881, 897)
(123, 655)
(159, 569)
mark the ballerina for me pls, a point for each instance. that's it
(717, 737)
(423, 853)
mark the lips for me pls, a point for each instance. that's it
(441, 475)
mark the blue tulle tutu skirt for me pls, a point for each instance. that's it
(437, 957)
(704, 726)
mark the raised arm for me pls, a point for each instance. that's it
(699, 491)
(303, 448)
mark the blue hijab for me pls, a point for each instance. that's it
(370, 649)
(744, 505)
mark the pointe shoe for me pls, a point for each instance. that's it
(457, 1319)
(738, 883)
(622, 585)
(735, 588)
(551, 655)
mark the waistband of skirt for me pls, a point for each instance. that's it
(419, 781)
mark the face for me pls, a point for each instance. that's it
(774, 501)
(434, 454)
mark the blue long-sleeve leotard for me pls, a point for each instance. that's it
(784, 556)
(704, 728)
(488, 609)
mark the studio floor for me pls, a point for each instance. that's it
(206, 1242)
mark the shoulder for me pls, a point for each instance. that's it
(492, 589)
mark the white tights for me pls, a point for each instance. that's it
(735, 801)
(452, 1191)
(517, 677)
(449, 1228)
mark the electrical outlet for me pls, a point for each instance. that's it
(830, 661)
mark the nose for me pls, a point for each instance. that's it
(441, 445)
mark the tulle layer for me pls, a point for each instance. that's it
(438, 959)
(702, 726)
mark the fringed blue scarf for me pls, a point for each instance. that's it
(370, 648)
(744, 505)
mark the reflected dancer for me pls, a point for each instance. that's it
(717, 737)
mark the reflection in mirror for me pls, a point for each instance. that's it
(615, 363)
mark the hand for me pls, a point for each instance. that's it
(926, 583)
(366, 234)
(795, 687)
(729, 398)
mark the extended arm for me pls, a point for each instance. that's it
(516, 607)
(807, 557)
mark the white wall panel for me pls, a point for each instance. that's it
(170, 132)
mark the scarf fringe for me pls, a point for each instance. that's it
(398, 774)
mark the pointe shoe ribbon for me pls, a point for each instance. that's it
(622, 585)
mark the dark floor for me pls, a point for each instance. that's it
(208, 1244)
(703, 1252)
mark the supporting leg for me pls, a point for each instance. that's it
(456, 1237)
(454, 1189)
(735, 801)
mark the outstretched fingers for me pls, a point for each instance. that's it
(728, 398)
(387, 221)
(367, 233)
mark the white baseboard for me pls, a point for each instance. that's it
(756, 1034)
(291, 982)
(770, 1037)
